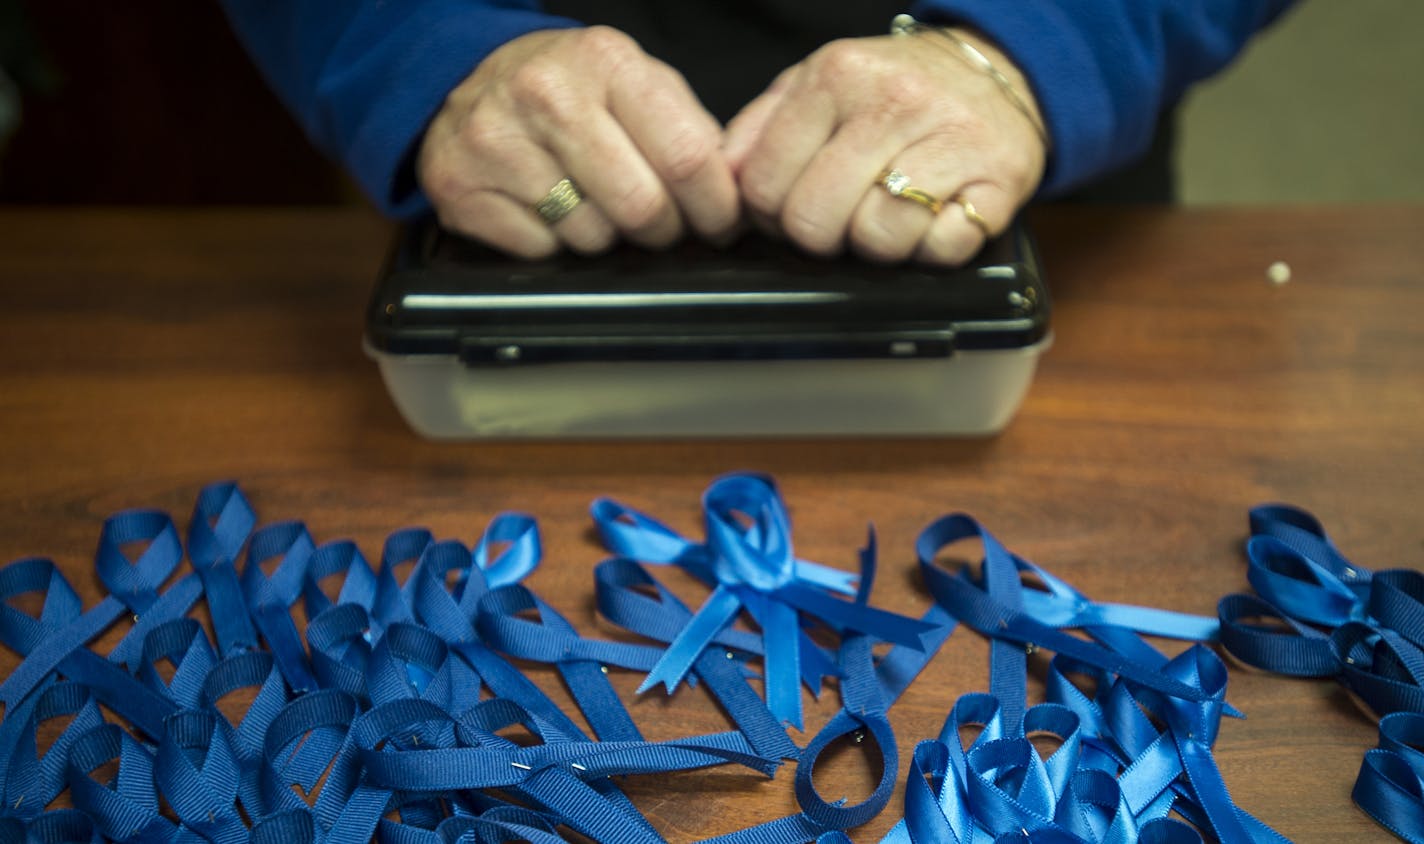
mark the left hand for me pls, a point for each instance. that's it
(810, 150)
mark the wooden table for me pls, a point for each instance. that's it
(145, 353)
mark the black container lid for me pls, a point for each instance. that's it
(440, 294)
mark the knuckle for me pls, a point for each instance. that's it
(688, 153)
(871, 240)
(945, 250)
(809, 231)
(639, 207)
(907, 92)
(841, 63)
(1021, 173)
(609, 48)
(544, 86)
(441, 178)
(759, 195)
(595, 243)
(486, 138)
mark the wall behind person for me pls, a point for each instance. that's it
(1327, 106)
(146, 101)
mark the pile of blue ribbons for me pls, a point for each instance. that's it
(391, 715)
(1316, 614)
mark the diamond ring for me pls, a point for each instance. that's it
(898, 184)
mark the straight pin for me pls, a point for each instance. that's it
(521, 766)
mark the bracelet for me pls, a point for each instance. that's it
(903, 24)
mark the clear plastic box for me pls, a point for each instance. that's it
(753, 341)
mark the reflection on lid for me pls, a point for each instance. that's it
(512, 301)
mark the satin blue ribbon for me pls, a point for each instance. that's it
(1004, 618)
(748, 555)
(1114, 776)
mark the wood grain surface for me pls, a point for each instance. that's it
(146, 353)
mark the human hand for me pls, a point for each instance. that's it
(812, 151)
(588, 105)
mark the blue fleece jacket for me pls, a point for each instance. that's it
(366, 76)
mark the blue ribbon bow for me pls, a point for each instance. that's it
(748, 558)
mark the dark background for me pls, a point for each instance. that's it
(148, 102)
(156, 102)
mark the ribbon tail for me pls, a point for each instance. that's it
(721, 607)
(781, 634)
(1211, 791)
(815, 665)
(826, 577)
(885, 626)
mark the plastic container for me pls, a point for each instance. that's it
(756, 340)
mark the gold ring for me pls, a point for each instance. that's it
(972, 214)
(558, 202)
(898, 184)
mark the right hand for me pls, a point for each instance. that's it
(591, 106)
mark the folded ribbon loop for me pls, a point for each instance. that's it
(1298, 585)
(340, 559)
(1390, 786)
(29, 780)
(519, 533)
(270, 598)
(184, 644)
(1304, 534)
(366, 734)
(222, 520)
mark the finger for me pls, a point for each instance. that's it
(491, 153)
(533, 176)
(682, 144)
(612, 173)
(499, 221)
(889, 227)
(974, 214)
(747, 126)
(822, 202)
(800, 124)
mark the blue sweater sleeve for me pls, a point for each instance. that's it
(1104, 70)
(365, 77)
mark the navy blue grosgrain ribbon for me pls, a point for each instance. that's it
(289, 765)
(63, 629)
(868, 688)
(1390, 787)
(749, 561)
(1317, 614)
(621, 590)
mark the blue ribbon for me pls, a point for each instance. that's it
(364, 729)
(1114, 776)
(748, 556)
(1317, 614)
(867, 691)
(618, 590)
(1390, 787)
